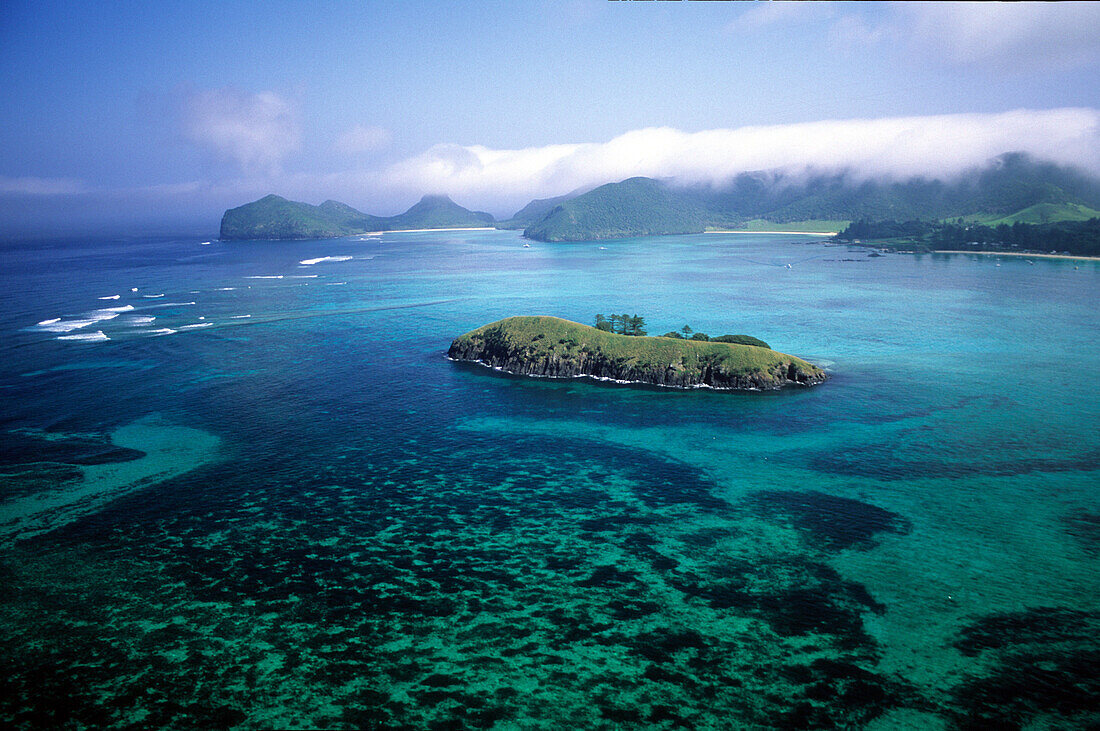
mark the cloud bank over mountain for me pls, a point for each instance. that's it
(260, 137)
(939, 146)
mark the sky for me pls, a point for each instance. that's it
(129, 116)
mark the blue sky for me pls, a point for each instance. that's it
(135, 114)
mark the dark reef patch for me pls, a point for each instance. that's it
(533, 556)
(834, 522)
(1085, 527)
(1044, 670)
(886, 461)
(21, 448)
(795, 598)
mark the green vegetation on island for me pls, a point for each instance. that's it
(273, 217)
(536, 210)
(634, 207)
(1012, 188)
(438, 211)
(1075, 238)
(553, 347)
(634, 325)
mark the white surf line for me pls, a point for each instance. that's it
(319, 259)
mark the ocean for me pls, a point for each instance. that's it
(242, 487)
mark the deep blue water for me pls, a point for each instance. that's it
(251, 492)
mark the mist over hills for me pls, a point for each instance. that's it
(1011, 188)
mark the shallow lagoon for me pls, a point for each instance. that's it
(353, 531)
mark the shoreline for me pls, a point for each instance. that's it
(779, 233)
(606, 379)
(1017, 253)
(417, 230)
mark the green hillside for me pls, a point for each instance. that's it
(273, 217)
(634, 207)
(536, 210)
(550, 346)
(1038, 213)
(1010, 188)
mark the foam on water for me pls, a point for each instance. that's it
(98, 335)
(167, 304)
(58, 325)
(238, 317)
(318, 260)
(110, 297)
(196, 326)
(152, 296)
(265, 276)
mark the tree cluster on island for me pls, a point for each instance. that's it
(1080, 238)
(635, 325)
(623, 324)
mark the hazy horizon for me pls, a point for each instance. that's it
(137, 119)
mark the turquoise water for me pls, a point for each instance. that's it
(276, 503)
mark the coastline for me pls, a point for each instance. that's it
(1017, 253)
(607, 379)
(416, 230)
(779, 233)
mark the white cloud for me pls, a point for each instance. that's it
(932, 146)
(362, 139)
(256, 131)
(1009, 36)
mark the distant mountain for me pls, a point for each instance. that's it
(439, 211)
(537, 209)
(1011, 188)
(634, 207)
(273, 217)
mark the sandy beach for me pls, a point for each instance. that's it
(1017, 253)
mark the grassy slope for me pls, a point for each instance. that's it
(524, 331)
(1038, 213)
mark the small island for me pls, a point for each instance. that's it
(556, 348)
